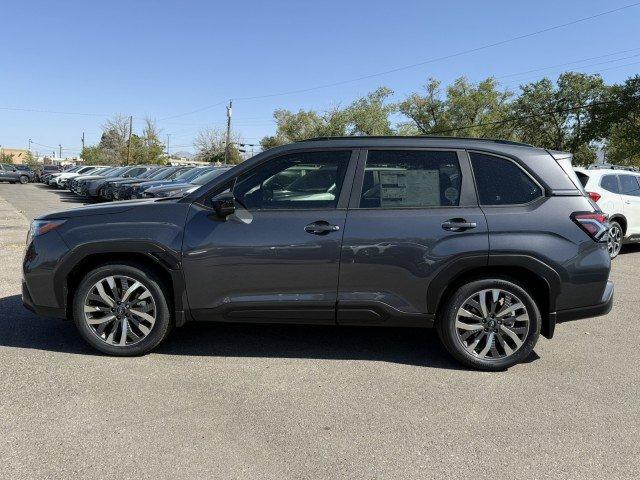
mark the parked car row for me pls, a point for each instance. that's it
(134, 181)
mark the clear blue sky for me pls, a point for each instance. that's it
(164, 58)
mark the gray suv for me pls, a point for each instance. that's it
(9, 173)
(492, 243)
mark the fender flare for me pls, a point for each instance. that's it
(454, 269)
(166, 259)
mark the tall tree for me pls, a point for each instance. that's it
(467, 109)
(210, 145)
(617, 122)
(557, 116)
(370, 115)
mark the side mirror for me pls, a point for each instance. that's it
(224, 204)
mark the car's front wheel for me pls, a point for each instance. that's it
(24, 179)
(122, 310)
(490, 324)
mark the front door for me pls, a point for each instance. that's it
(412, 214)
(277, 257)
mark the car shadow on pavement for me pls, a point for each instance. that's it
(419, 347)
(67, 196)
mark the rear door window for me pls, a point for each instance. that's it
(501, 182)
(610, 183)
(629, 185)
(411, 178)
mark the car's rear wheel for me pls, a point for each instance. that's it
(24, 179)
(122, 310)
(614, 243)
(490, 324)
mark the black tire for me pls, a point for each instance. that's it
(446, 324)
(24, 179)
(163, 321)
(12, 182)
(614, 246)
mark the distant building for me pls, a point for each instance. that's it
(18, 155)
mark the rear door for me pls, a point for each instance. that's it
(611, 202)
(630, 194)
(412, 213)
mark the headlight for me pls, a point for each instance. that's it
(40, 227)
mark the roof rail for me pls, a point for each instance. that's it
(608, 166)
(433, 137)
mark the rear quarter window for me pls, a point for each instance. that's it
(583, 177)
(501, 182)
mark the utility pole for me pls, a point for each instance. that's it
(226, 149)
(60, 148)
(168, 138)
(30, 142)
(129, 142)
(82, 139)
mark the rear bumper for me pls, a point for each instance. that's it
(601, 308)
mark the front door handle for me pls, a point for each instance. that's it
(321, 227)
(458, 225)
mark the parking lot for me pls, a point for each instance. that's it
(258, 401)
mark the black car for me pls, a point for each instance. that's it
(125, 190)
(492, 243)
(46, 170)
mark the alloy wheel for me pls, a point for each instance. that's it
(492, 324)
(614, 244)
(120, 310)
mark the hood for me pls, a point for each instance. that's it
(170, 186)
(156, 183)
(101, 209)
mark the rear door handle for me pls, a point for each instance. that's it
(321, 227)
(458, 225)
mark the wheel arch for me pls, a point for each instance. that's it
(622, 220)
(543, 282)
(164, 264)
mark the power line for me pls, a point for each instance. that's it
(521, 117)
(418, 64)
(560, 65)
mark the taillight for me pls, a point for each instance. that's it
(595, 225)
(594, 196)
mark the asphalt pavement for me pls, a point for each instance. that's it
(279, 402)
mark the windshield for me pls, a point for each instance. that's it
(116, 172)
(149, 173)
(165, 173)
(177, 173)
(192, 174)
(202, 179)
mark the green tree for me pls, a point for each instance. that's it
(616, 121)
(370, 115)
(555, 116)
(467, 109)
(5, 157)
(92, 155)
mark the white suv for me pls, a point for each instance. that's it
(617, 192)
